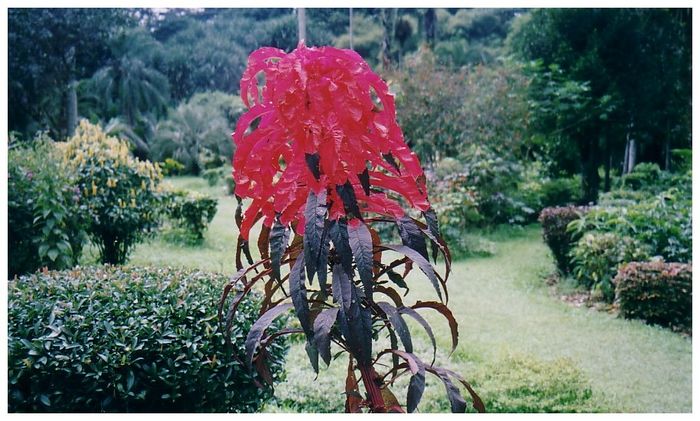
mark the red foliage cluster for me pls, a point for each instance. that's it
(321, 121)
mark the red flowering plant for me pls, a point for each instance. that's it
(321, 157)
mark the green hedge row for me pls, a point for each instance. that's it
(114, 339)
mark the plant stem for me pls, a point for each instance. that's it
(369, 377)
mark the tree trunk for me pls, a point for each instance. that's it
(350, 29)
(301, 21)
(386, 40)
(667, 149)
(429, 20)
(71, 107)
(632, 156)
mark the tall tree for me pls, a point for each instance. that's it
(49, 51)
(635, 65)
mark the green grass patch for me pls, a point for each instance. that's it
(523, 349)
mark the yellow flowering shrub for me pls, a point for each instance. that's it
(123, 193)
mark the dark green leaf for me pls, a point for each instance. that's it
(398, 324)
(457, 403)
(279, 237)
(258, 329)
(423, 264)
(322, 327)
(297, 289)
(412, 236)
(364, 181)
(361, 244)
(397, 279)
(312, 162)
(339, 235)
(315, 215)
(411, 312)
(347, 195)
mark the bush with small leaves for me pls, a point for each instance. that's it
(172, 167)
(46, 213)
(656, 292)
(113, 339)
(597, 256)
(192, 211)
(122, 194)
(555, 222)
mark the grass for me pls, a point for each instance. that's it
(523, 349)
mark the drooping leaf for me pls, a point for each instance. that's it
(258, 329)
(322, 328)
(477, 403)
(355, 322)
(411, 236)
(457, 403)
(323, 258)
(397, 279)
(391, 293)
(312, 162)
(416, 385)
(338, 231)
(432, 222)
(361, 244)
(398, 324)
(264, 242)
(364, 181)
(279, 236)
(445, 311)
(423, 264)
(377, 255)
(413, 313)
(297, 289)
(312, 353)
(347, 194)
(315, 215)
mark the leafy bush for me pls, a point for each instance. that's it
(122, 193)
(642, 176)
(46, 213)
(682, 160)
(662, 222)
(657, 292)
(193, 212)
(111, 339)
(213, 175)
(171, 167)
(555, 233)
(597, 256)
(561, 191)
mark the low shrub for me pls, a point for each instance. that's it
(113, 339)
(656, 292)
(192, 212)
(122, 194)
(561, 191)
(46, 212)
(596, 258)
(172, 167)
(524, 384)
(644, 175)
(555, 222)
(662, 222)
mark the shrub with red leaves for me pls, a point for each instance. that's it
(321, 157)
(322, 121)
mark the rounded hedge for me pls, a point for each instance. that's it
(114, 339)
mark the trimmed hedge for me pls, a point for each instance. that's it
(193, 212)
(554, 225)
(113, 339)
(657, 292)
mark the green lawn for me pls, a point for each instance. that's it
(521, 347)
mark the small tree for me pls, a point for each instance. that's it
(321, 156)
(121, 192)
